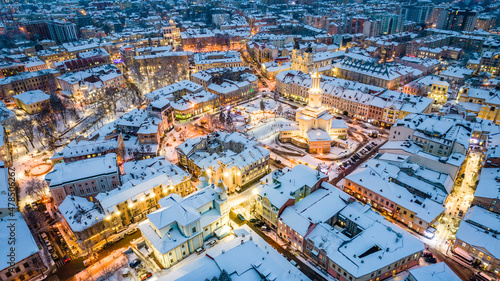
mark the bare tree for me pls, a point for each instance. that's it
(36, 221)
(279, 110)
(108, 271)
(36, 189)
(26, 130)
(182, 135)
(57, 106)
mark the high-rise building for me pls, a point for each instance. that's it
(36, 30)
(419, 13)
(457, 19)
(62, 31)
(371, 28)
(390, 23)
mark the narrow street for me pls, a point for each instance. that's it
(73, 267)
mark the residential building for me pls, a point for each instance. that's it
(476, 239)
(145, 182)
(45, 80)
(32, 101)
(89, 85)
(419, 12)
(487, 194)
(253, 256)
(437, 135)
(359, 244)
(187, 99)
(204, 61)
(181, 225)
(366, 70)
(482, 102)
(85, 178)
(283, 188)
(430, 86)
(434, 272)
(412, 195)
(83, 148)
(230, 157)
(457, 19)
(21, 257)
(84, 61)
(62, 31)
(86, 221)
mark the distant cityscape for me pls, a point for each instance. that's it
(250, 140)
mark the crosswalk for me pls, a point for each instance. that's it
(59, 263)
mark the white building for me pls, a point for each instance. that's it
(181, 226)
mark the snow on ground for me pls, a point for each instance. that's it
(269, 128)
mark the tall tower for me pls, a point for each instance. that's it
(315, 91)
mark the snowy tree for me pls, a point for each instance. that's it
(182, 135)
(224, 276)
(229, 118)
(222, 117)
(279, 110)
(36, 189)
(26, 130)
(57, 106)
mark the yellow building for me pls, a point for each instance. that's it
(484, 103)
(439, 91)
(32, 101)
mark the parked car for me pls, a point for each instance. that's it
(125, 272)
(254, 220)
(427, 255)
(134, 263)
(145, 275)
(50, 249)
(241, 217)
(131, 231)
(259, 224)
(211, 243)
(117, 238)
(200, 250)
(54, 256)
(430, 260)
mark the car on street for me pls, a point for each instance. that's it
(460, 213)
(200, 250)
(117, 238)
(430, 260)
(241, 217)
(211, 243)
(131, 231)
(254, 220)
(134, 263)
(145, 275)
(427, 255)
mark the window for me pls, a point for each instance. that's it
(26, 265)
(194, 229)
